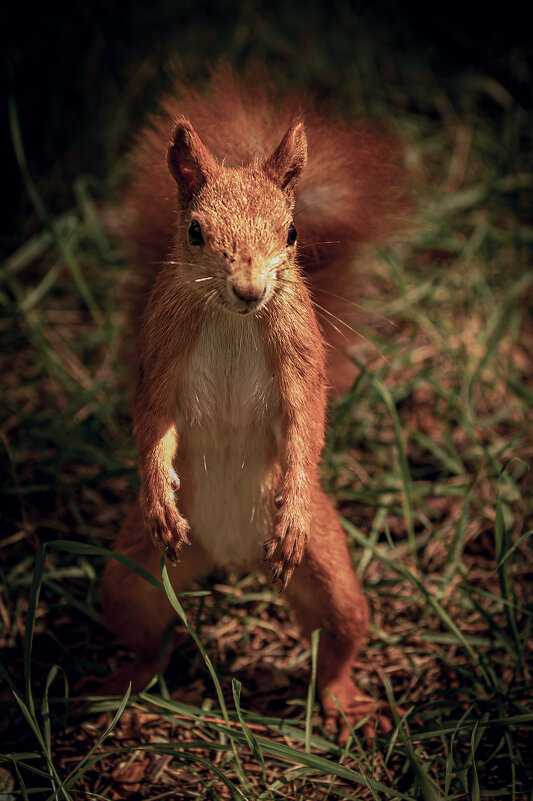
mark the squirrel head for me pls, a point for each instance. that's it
(236, 239)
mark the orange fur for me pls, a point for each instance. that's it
(351, 193)
(230, 385)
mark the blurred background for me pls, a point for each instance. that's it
(83, 75)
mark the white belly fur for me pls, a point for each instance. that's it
(228, 417)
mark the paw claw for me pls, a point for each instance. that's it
(168, 529)
(285, 579)
(276, 571)
(284, 554)
(270, 547)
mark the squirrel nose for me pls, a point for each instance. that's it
(248, 292)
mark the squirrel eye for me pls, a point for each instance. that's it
(195, 234)
(291, 236)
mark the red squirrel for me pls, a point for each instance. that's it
(240, 211)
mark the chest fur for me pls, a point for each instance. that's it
(229, 420)
(227, 383)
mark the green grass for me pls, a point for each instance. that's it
(428, 457)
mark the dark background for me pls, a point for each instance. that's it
(83, 75)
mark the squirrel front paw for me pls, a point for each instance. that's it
(285, 549)
(167, 528)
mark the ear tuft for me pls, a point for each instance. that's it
(189, 161)
(287, 162)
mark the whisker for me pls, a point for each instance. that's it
(357, 333)
(164, 262)
(306, 279)
(356, 305)
(341, 333)
(210, 298)
(330, 242)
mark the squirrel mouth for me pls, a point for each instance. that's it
(243, 310)
(250, 309)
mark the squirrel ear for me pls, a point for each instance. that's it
(189, 161)
(286, 163)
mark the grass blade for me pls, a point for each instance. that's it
(250, 737)
(407, 500)
(33, 602)
(311, 692)
(220, 695)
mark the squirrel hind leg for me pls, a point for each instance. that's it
(324, 593)
(138, 613)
